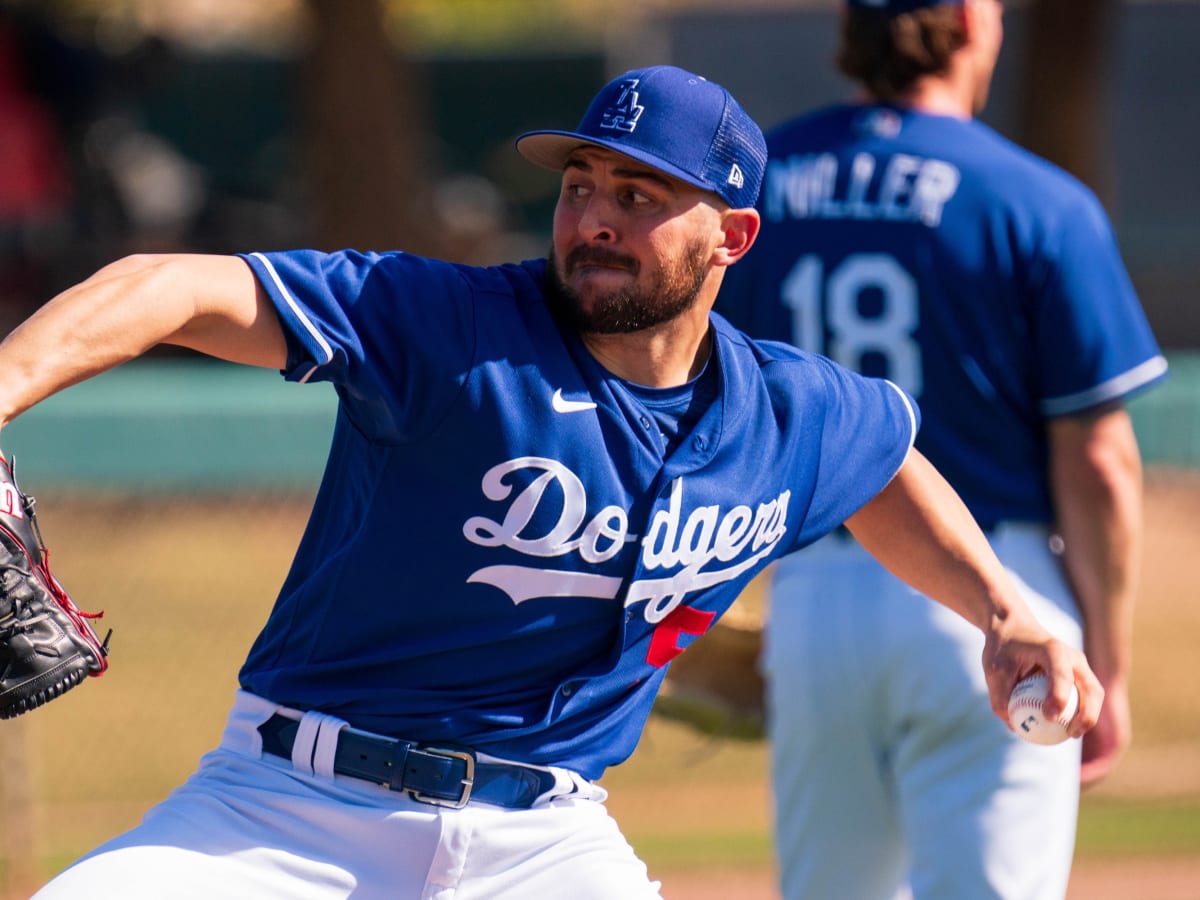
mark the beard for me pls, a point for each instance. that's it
(671, 292)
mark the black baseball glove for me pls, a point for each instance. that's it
(47, 645)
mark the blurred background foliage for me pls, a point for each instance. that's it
(216, 125)
(454, 26)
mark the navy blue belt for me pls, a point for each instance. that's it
(437, 775)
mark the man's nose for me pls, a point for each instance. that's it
(597, 222)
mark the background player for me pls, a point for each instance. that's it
(906, 240)
(546, 478)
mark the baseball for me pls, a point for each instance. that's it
(1026, 716)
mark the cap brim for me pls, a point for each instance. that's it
(550, 149)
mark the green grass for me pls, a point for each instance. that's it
(711, 848)
(1111, 828)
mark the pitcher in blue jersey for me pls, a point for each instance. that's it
(546, 480)
(908, 241)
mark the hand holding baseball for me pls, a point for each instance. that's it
(1028, 718)
(1018, 648)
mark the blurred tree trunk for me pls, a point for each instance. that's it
(1064, 94)
(372, 174)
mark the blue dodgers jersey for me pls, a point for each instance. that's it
(499, 554)
(983, 280)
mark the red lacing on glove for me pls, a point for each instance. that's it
(77, 616)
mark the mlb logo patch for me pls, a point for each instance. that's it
(884, 123)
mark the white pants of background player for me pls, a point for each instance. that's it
(891, 773)
(251, 827)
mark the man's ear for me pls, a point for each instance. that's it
(740, 227)
(970, 24)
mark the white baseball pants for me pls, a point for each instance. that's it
(251, 827)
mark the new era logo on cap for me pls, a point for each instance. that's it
(677, 122)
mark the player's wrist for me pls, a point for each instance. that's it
(1111, 660)
(1007, 615)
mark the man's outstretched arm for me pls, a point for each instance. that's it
(212, 304)
(921, 531)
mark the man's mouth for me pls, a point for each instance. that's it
(588, 258)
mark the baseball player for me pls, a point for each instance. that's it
(906, 240)
(546, 479)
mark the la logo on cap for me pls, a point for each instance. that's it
(671, 120)
(624, 114)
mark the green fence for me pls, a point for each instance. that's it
(1167, 418)
(177, 425)
(198, 425)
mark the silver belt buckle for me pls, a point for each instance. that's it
(467, 782)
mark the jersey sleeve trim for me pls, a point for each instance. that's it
(1127, 382)
(912, 414)
(296, 310)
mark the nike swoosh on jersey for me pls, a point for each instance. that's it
(563, 405)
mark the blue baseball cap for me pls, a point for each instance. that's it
(895, 7)
(672, 120)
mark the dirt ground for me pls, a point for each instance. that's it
(1090, 880)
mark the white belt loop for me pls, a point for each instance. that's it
(327, 741)
(316, 742)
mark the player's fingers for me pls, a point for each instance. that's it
(1060, 679)
(1001, 675)
(1095, 770)
(998, 693)
(1102, 749)
(1062, 670)
(1008, 667)
(1091, 696)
